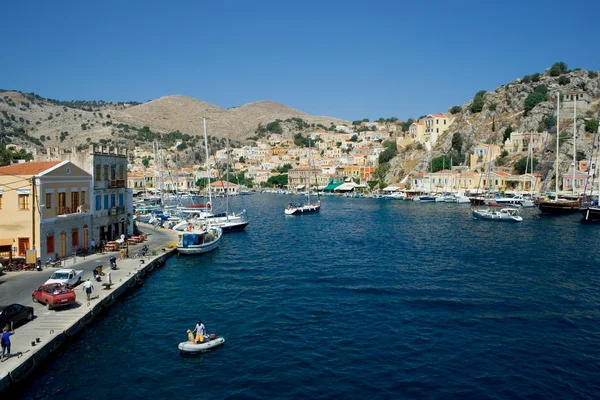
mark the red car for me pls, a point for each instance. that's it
(53, 295)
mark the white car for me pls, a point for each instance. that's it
(68, 277)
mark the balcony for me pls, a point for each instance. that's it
(116, 183)
(62, 211)
(116, 211)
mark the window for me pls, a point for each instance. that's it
(106, 172)
(112, 200)
(98, 203)
(98, 174)
(106, 202)
(121, 198)
(23, 202)
(82, 198)
(496, 182)
(48, 200)
(50, 244)
(122, 173)
(62, 200)
(74, 200)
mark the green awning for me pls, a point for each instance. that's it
(331, 187)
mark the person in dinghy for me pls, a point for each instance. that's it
(200, 330)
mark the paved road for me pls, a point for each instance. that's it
(16, 287)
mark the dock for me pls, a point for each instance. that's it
(38, 339)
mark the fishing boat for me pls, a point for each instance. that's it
(300, 208)
(209, 343)
(504, 214)
(199, 239)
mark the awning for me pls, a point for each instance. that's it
(331, 187)
(6, 242)
(390, 188)
(300, 187)
(346, 187)
(321, 187)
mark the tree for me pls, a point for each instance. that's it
(387, 155)
(457, 141)
(381, 171)
(591, 125)
(145, 162)
(507, 132)
(406, 125)
(526, 79)
(580, 155)
(354, 138)
(455, 110)
(477, 104)
(523, 163)
(279, 180)
(558, 69)
(539, 95)
(440, 163)
(536, 77)
(564, 80)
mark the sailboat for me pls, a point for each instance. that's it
(298, 208)
(591, 209)
(561, 206)
(198, 236)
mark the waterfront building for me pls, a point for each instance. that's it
(417, 132)
(298, 178)
(221, 187)
(435, 126)
(44, 206)
(580, 180)
(108, 167)
(531, 183)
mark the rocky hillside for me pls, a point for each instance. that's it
(32, 121)
(486, 118)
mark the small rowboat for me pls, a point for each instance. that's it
(208, 344)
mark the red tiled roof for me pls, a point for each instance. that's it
(28, 168)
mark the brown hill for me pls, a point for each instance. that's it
(31, 121)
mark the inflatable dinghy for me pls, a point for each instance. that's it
(190, 347)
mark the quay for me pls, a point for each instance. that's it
(46, 334)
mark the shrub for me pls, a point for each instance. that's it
(592, 74)
(507, 132)
(492, 107)
(477, 104)
(455, 110)
(563, 80)
(591, 125)
(539, 95)
(536, 77)
(522, 164)
(558, 69)
(526, 79)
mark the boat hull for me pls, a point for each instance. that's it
(193, 348)
(496, 216)
(591, 214)
(236, 227)
(187, 243)
(559, 207)
(303, 210)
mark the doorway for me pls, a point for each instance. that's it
(63, 245)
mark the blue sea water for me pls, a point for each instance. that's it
(369, 299)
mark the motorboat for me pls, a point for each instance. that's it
(199, 239)
(302, 208)
(503, 214)
(209, 343)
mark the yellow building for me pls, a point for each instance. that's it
(435, 126)
(136, 182)
(483, 154)
(417, 132)
(44, 206)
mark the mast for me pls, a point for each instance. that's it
(308, 175)
(227, 183)
(574, 137)
(557, 140)
(207, 165)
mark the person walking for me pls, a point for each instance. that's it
(87, 286)
(6, 334)
(93, 246)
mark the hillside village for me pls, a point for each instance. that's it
(496, 133)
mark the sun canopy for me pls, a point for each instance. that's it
(346, 187)
(390, 188)
(300, 187)
(331, 187)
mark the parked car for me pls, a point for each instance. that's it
(53, 295)
(68, 277)
(15, 314)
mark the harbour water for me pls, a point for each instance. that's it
(369, 299)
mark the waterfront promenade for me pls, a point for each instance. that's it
(53, 327)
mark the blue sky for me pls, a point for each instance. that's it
(345, 59)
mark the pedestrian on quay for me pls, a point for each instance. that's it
(93, 246)
(87, 286)
(6, 334)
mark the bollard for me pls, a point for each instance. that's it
(37, 339)
(33, 343)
